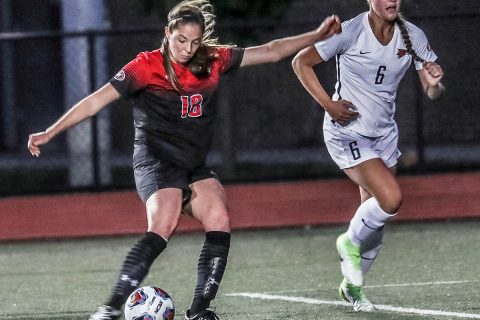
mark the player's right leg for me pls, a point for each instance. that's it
(350, 259)
(160, 186)
(357, 260)
(134, 269)
(368, 253)
(371, 247)
(163, 211)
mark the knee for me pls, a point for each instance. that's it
(163, 223)
(391, 202)
(164, 229)
(217, 219)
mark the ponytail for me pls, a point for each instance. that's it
(406, 39)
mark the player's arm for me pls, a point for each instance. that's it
(278, 49)
(84, 109)
(303, 63)
(430, 77)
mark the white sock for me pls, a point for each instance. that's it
(366, 230)
(370, 252)
(369, 219)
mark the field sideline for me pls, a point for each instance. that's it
(425, 271)
(256, 205)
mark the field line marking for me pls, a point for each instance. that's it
(433, 283)
(412, 284)
(340, 303)
(287, 298)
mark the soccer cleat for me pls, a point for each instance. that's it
(106, 313)
(350, 260)
(355, 296)
(204, 315)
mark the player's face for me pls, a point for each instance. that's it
(184, 41)
(386, 9)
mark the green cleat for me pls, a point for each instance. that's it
(350, 260)
(355, 296)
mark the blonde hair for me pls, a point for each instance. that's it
(199, 12)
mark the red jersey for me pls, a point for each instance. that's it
(175, 126)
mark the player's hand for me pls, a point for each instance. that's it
(433, 73)
(35, 140)
(342, 111)
(329, 27)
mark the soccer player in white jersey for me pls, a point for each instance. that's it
(373, 52)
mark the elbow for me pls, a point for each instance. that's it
(274, 56)
(272, 51)
(297, 63)
(303, 60)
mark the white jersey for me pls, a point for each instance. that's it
(368, 73)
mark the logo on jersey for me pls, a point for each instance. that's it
(401, 53)
(120, 76)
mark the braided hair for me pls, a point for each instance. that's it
(408, 43)
(406, 38)
(201, 13)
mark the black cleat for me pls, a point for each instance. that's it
(106, 313)
(203, 315)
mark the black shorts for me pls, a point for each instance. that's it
(152, 174)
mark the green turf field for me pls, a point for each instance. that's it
(425, 271)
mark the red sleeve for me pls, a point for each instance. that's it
(134, 76)
(230, 58)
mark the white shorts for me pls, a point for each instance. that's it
(348, 148)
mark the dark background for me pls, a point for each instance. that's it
(269, 129)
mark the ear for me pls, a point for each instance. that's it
(167, 33)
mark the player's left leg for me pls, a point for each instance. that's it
(369, 219)
(372, 245)
(209, 206)
(365, 232)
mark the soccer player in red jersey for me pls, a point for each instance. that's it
(171, 88)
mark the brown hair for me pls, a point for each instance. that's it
(201, 13)
(406, 38)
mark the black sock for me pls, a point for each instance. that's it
(135, 267)
(211, 266)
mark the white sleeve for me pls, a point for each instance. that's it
(422, 48)
(334, 45)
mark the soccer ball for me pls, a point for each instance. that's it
(149, 303)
